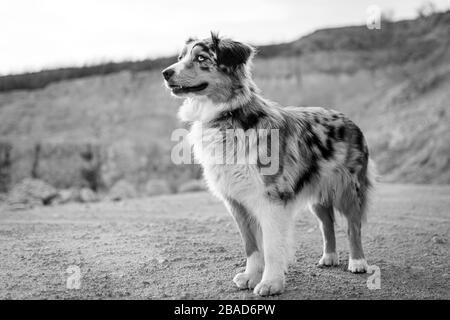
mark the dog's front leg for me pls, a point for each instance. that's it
(251, 236)
(277, 226)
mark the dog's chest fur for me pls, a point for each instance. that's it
(225, 178)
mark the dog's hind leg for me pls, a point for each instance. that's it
(251, 236)
(277, 226)
(357, 263)
(325, 215)
(353, 210)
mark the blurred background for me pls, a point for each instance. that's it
(84, 115)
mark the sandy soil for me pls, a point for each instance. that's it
(186, 246)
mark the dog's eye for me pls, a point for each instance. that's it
(180, 57)
(200, 58)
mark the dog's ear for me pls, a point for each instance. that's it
(215, 40)
(230, 53)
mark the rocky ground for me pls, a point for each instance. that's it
(186, 246)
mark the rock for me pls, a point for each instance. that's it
(87, 195)
(122, 190)
(30, 193)
(159, 260)
(157, 187)
(192, 186)
(184, 296)
(418, 268)
(67, 195)
(439, 240)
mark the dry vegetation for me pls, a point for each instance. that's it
(100, 129)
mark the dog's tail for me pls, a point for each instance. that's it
(367, 185)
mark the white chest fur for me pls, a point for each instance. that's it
(226, 176)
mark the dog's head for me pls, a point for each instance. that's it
(212, 67)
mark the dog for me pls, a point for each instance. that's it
(322, 160)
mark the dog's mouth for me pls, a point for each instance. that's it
(176, 89)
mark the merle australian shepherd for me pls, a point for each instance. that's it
(322, 160)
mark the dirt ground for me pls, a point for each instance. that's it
(187, 247)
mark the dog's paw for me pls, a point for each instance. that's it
(247, 280)
(357, 265)
(329, 259)
(269, 287)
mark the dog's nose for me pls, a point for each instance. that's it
(168, 73)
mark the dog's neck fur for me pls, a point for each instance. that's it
(206, 109)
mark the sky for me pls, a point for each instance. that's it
(38, 34)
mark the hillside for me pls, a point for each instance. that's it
(394, 82)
